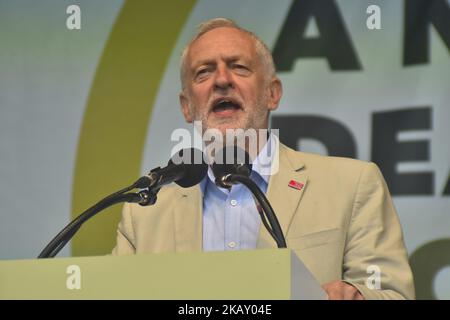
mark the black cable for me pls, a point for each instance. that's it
(63, 242)
(261, 197)
(61, 239)
(263, 218)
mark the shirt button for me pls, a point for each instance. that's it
(232, 244)
(233, 202)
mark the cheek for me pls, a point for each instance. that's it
(199, 96)
(249, 92)
(254, 91)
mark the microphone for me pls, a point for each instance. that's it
(186, 168)
(232, 167)
(231, 160)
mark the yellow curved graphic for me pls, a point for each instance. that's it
(115, 122)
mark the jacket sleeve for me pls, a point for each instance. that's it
(375, 258)
(125, 234)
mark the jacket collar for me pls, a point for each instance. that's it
(283, 198)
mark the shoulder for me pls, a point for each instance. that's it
(321, 161)
(340, 168)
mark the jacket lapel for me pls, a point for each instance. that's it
(188, 220)
(188, 211)
(283, 198)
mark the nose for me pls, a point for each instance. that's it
(223, 79)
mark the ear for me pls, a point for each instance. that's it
(275, 89)
(184, 102)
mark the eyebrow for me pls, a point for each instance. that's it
(202, 62)
(211, 61)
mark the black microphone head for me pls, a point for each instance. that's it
(192, 164)
(231, 160)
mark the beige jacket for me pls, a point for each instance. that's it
(341, 222)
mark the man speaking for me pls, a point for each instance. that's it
(335, 213)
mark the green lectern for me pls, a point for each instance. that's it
(252, 274)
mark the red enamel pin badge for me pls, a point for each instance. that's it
(296, 185)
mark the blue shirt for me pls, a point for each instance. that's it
(230, 218)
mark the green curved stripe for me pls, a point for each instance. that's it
(115, 123)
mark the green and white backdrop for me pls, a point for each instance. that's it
(84, 111)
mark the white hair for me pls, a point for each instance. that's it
(261, 49)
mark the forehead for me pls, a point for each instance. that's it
(222, 43)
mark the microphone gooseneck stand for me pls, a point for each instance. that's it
(273, 227)
(144, 197)
(184, 173)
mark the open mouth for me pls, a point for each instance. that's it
(225, 105)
